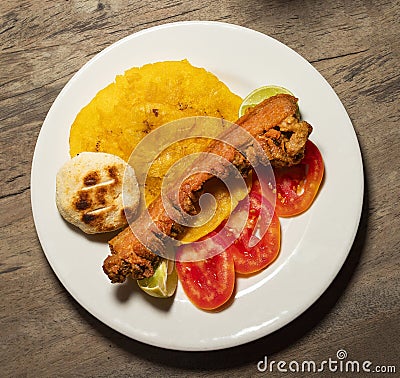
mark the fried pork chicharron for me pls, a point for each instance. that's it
(273, 123)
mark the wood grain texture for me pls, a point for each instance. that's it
(354, 44)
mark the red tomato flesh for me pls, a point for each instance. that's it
(297, 186)
(209, 283)
(250, 259)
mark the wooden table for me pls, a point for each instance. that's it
(354, 44)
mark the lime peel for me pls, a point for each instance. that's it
(260, 94)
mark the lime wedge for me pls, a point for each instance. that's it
(260, 94)
(164, 281)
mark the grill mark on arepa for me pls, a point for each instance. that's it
(100, 194)
(100, 184)
(83, 202)
(92, 178)
(113, 173)
(88, 218)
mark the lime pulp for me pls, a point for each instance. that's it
(163, 282)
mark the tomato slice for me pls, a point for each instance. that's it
(209, 283)
(255, 257)
(297, 186)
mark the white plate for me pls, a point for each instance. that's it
(314, 245)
